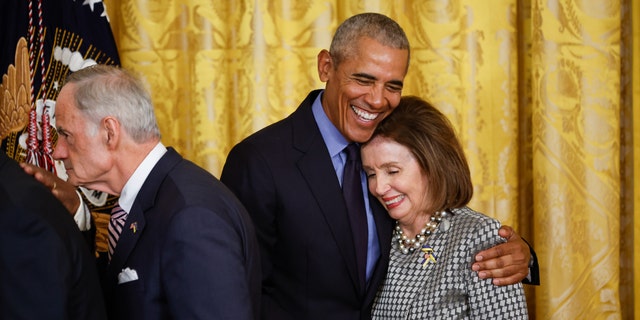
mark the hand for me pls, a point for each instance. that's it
(506, 263)
(64, 191)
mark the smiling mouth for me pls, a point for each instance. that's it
(394, 200)
(365, 116)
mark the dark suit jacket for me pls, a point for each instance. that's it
(283, 174)
(192, 245)
(46, 268)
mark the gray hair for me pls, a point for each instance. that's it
(373, 25)
(102, 90)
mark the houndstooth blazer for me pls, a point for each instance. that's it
(416, 287)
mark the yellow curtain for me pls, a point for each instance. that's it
(545, 95)
(632, 194)
(576, 156)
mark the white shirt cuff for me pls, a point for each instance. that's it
(528, 277)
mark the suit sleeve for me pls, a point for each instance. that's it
(533, 278)
(204, 269)
(32, 272)
(248, 176)
(45, 274)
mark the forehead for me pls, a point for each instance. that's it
(385, 149)
(369, 53)
(66, 112)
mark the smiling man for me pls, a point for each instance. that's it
(321, 260)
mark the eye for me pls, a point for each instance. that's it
(62, 133)
(370, 175)
(364, 81)
(394, 88)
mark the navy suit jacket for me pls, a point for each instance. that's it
(284, 176)
(46, 269)
(192, 246)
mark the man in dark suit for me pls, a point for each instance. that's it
(186, 247)
(289, 176)
(46, 268)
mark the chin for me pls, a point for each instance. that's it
(361, 138)
(74, 181)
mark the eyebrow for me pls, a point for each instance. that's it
(370, 77)
(385, 165)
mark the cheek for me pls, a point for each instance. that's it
(420, 193)
(92, 167)
(394, 100)
(372, 186)
(90, 158)
(352, 91)
(78, 154)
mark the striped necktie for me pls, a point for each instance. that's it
(116, 223)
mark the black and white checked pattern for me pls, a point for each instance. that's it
(448, 289)
(116, 223)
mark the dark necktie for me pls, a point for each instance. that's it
(116, 223)
(352, 191)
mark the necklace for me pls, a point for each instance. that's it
(410, 245)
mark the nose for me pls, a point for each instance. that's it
(378, 186)
(60, 150)
(376, 97)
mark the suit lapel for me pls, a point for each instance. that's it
(316, 167)
(133, 228)
(136, 221)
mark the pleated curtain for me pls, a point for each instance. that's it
(544, 94)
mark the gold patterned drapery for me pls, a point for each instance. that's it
(545, 96)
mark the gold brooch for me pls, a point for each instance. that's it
(428, 257)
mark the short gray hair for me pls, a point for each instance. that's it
(373, 25)
(102, 90)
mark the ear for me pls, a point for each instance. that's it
(112, 128)
(325, 65)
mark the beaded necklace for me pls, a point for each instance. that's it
(410, 245)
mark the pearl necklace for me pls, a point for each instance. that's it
(410, 245)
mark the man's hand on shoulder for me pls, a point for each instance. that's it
(506, 263)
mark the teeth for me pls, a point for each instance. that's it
(394, 200)
(363, 114)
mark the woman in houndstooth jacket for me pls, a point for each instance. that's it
(417, 169)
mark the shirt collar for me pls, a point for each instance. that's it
(134, 184)
(332, 137)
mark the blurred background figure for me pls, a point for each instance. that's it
(47, 270)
